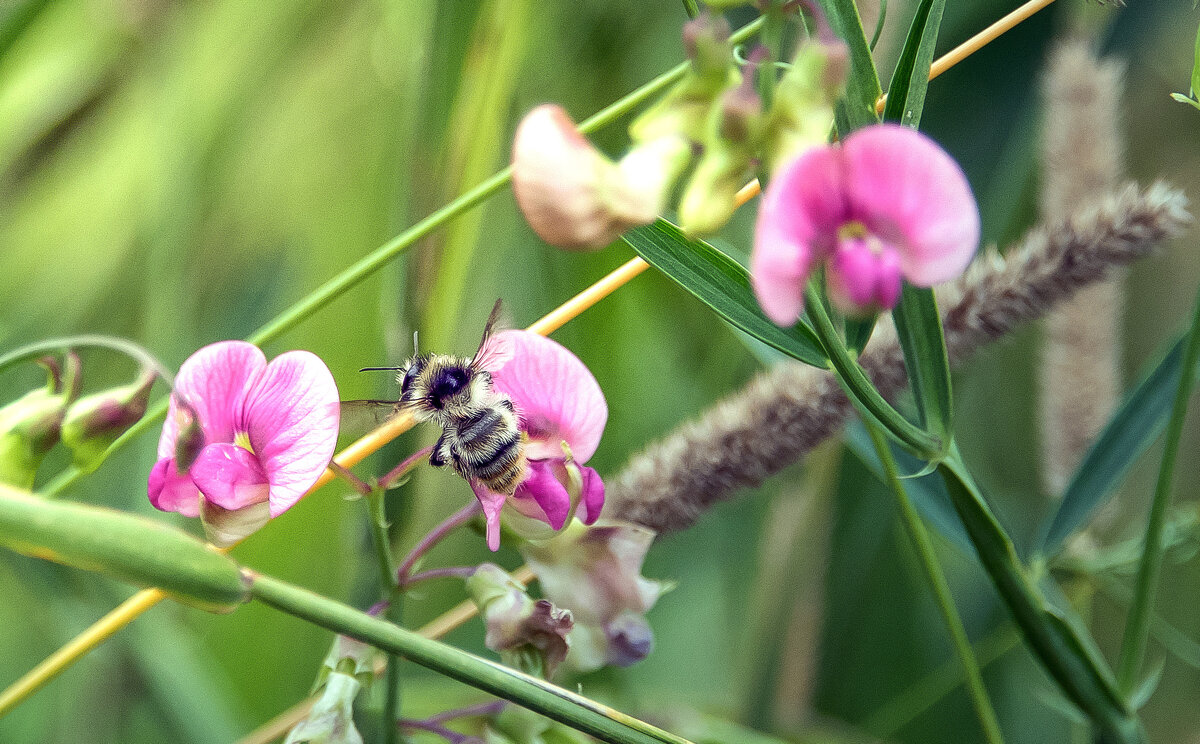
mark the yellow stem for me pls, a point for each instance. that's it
(133, 607)
(977, 42)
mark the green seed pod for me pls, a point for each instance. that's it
(135, 549)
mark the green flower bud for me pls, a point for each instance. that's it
(684, 111)
(94, 422)
(802, 114)
(31, 425)
(734, 131)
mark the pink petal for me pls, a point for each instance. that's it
(797, 224)
(555, 395)
(593, 495)
(910, 192)
(213, 380)
(170, 490)
(543, 488)
(291, 416)
(230, 476)
(852, 274)
(492, 503)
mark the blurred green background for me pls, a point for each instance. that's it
(180, 172)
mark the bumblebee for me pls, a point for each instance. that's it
(480, 437)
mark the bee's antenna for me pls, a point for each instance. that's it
(384, 369)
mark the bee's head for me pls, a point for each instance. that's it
(448, 381)
(433, 382)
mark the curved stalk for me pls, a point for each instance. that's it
(859, 387)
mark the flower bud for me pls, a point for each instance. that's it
(331, 720)
(94, 422)
(31, 425)
(529, 635)
(734, 132)
(683, 112)
(190, 440)
(802, 113)
(572, 195)
(706, 43)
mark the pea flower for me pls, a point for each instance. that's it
(243, 439)
(562, 413)
(573, 196)
(886, 203)
(595, 572)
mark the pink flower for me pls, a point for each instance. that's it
(251, 440)
(885, 204)
(562, 413)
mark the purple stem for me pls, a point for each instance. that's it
(344, 473)
(478, 709)
(460, 572)
(451, 736)
(453, 522)
(433, 724)
(401, 470)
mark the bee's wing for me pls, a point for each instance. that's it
(360, 416)
(493, 352)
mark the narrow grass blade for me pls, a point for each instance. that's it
(910, 81)
(1129, 433)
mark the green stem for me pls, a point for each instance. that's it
(390, 592)
(363, 268)
(1137, 628)
(772, 39)
(691, 8)
(537, 695)
(941, 590)
(859, 387)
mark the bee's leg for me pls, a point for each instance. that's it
(441, 451)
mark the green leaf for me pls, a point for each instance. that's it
(1132, 429)
(858, 332)
(1141, 694)
(1060, 645)
(857, 109)
(919, 329)
(721, 283)
(910, 81)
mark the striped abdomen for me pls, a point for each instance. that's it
(487, 446)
